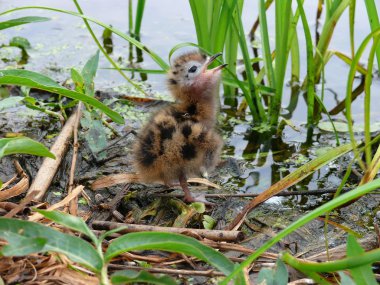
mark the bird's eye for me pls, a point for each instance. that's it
(192, 69)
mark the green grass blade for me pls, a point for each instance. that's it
(350, 80)
(367, 101)
(283, 17)
(355, 259)
(139, 17)
(199, 11)
(22, 21)
(267, 54)
(295, 60)
(326, 34)
(130, 18)
(231, 48)
(39, 81)
(352, 26)
(215, 19)
(310, 66)
(253, 98)
(224, 25)
(373, 18)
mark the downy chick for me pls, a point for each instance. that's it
(180, 140)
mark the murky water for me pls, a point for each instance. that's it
(64, 42)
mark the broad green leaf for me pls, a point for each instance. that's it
(73, 247)
(168, 242)
(69, 221)
(23, 145)
(208, 222)
(281, 273)
(20, 245)
(107, 34)
(39, 81)
(362, 274)
(345, 280)
(95, 134)
(89, 72)
(21, 21)
(273, 276)
(10, 102)
(265, 277)
(20, 42)
(130, 276)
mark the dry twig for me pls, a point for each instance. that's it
(50, 166)
(73, 205)
(17, 189)
(37, 216)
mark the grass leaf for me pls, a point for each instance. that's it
(39, 81)
(361, 274)
(22, 21)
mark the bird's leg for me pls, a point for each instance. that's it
(188, 197)
(183, 182)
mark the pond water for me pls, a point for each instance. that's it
(64, 42)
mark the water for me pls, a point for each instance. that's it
(64, 42)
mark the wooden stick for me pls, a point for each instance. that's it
(21, 205)
(50, 166)
(209, 234)
(73, 205)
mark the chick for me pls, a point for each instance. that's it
(180, 140)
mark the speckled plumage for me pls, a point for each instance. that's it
(180, 140)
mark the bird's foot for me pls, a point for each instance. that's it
(200, 198)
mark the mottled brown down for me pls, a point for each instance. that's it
(180, 140)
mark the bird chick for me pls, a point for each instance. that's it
(180, 140)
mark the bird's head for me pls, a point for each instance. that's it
(189, 76)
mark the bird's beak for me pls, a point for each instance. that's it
(211, 60)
